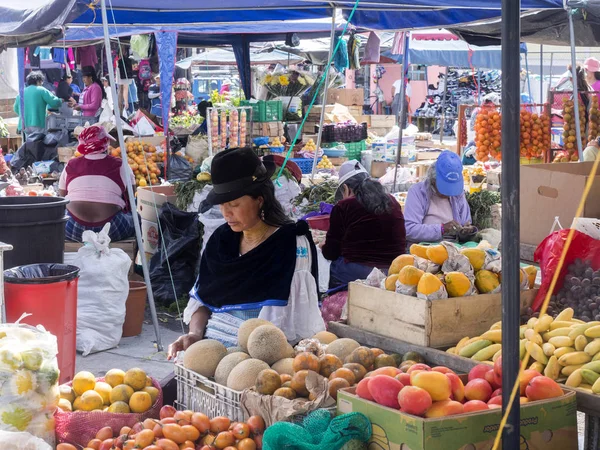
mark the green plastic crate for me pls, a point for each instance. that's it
(265, 111)
(355, 149)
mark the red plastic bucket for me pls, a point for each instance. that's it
(49, 293)
(319, 222)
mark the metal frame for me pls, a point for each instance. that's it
(3, 248)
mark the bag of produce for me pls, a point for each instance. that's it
(12, 440)
(28, 381)
(406, 281)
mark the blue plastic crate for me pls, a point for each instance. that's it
(305, 164)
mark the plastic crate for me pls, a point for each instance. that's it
(305, 164)
(355, 149)
(265, 111)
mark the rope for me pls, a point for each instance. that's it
(579, 213)
(314, 99)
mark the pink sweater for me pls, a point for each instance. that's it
(91, 100)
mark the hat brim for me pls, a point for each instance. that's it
(450, 189)
(213, 199)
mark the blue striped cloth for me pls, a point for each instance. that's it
(121, 228)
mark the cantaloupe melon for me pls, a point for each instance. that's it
(267, 343)
(227, 364)
(236, 349)
(204, 356)
(243, 376)
(289, 351)
(342, 347)
(247, 328)
(325, 337)
(284, 365)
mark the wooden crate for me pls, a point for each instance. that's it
(437, 323)
(378, 121)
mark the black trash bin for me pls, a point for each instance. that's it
(35, 227)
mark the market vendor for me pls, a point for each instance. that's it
(37, 100)
(258, 264)
(96, 189)
(91, 98)
(437, 207)
(591, 151)
(366, 228)
(592, 73)
(155, 97)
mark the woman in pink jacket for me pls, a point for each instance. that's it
(91, 98)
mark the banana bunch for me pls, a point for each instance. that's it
(562, 348)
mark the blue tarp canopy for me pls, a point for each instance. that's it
(223, 57)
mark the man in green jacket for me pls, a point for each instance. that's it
(37, 100)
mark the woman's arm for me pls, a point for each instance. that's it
(196, 333)
(51, 100)
(415, 210)
(332, 248)
(464, 211)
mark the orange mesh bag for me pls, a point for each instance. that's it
(80, 427)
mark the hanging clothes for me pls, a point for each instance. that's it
(372, 49)
(140, 46)
(87, 56)
(340, 61)
(43, 53)
(63, 56)
(34, 60)
(353, 49)
(398, 44)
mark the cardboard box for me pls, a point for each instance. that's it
(545, 425)
(270, 129)
(381, 132)
(346, 97)
(356, 111)
(437, 323)
(364, 119)
(383, 121)
(150, 236)
(151, 198)
(65, 154)
(554, 190)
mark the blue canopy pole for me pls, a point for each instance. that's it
(241, 50)
(570, 12)
(21, 69)
(166, 43)
(130, 182)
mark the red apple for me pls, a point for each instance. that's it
(478, 389)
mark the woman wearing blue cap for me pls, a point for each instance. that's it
(437, 207)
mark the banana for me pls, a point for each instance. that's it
(531, 322)
(577, 320)
(596, 387)
(522, 329)
(552, 369)
(469, 350)
(548, 349)
(533, 336)
(574, 379)
(563, 351)
(568, 370)
(561, 324)
(593, 332)
(544, 323)
(594, 365)
(487, 353)
(489, 363)
(451, 350)
(580, 343)
(538, 366)
(593, 347)
(596, 357)
(536, 352)
(580, 329)
(557, 333)
(496, 326)
(561, 341)
(522, 348)
(589, 376)
(465, 341)
(497, 355)
(571, 359)
(565, 314)
(493, 335)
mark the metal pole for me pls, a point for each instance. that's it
(511, 86)
(324, 100)
(575, 87)
(136, 222)
(478, 87)
(444, 107)
(402, 111)
(3, 248)
(542, 73)
(528, 79)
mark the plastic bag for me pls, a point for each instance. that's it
(28, 380)
(10, 440)
(549, 252)
(285, 192)
(324, 273)
(425, 265)
(102, 292)
(179, 169)
(333, 306)
(375, 278)
(178, 256)
(197, 147)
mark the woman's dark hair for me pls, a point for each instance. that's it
(66, 76)
(34, 78)
(273, 212)
(597, 75)
(89, 71)
(370, 194)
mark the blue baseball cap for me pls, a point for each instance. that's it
(449, 178)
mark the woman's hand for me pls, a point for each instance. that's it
(77, 107)
(451, 227)
(182, 343)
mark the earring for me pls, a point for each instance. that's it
(262, 214)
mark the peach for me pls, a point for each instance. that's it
(437, 384)
(414, 400)
(362, 389)
(385, 390)
(475, 405)
(496, 393)
(478, 389)
(442, 369)
(526, 377)
(479, 371)
(418, 366)
(540, 388)
(444, 408)
(388, 371)
(456, 386)
(490, 377)
(403, 378)
(495, 401)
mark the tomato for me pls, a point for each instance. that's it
(187, 444)
(219, 424)
(129, 445)
(241, 430)
(158, 431)
(258, 440)
(208, 447)
(246, 444)
(149, 424)
(153, 447)
(107, 444)
(191, 432)
(167, 420)
(125, 430)
(209, 439)
(166, 444)
(95, 444)
(201, 422)
(167, 411)
(137, 427)
(224, 438)
(144, 438)
(65, 447)
(174, 432)
(104, 433)
(182, 418)
(256, 424)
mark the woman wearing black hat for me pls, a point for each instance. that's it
(258, 264)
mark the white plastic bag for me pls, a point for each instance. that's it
(197, 148)
(324, 266)
(10, 440)
(285, 192)
(102, 292)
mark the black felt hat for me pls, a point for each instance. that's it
(235, 173)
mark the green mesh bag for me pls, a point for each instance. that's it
(319, 432)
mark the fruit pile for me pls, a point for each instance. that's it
(120, 392)
(276, 142)
(180, 430)
(594, 119)
(558, 346)
(488, 134)
(143, 160)
(310, 146)
(569, 131)
(325, 163)
(535, 135)
(439, 392)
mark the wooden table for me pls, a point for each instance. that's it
(586, 403)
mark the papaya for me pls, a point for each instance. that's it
(390, 283)
(457, 284)
(531, 272)
(476, 257)
(410, 275)
(419, 250)
(400, 262)
(486, 281)
(437, 254)
(429, 284)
